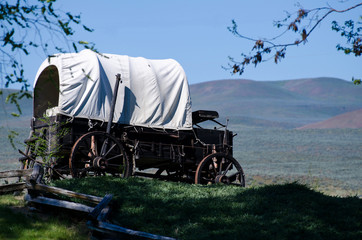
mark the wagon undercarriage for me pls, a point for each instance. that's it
(138, 151)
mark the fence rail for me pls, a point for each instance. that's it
(44, 195)
(17, 186)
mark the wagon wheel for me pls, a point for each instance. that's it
(98, 153)
(220, 168)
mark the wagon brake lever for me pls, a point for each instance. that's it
(113, 104)
(110, 119)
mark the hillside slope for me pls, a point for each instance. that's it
(346, 120)
(290, 103)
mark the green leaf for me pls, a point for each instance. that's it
(11, 136)
(87, 28)
(83, 42)
(356, 81)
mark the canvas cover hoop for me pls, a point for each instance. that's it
(153, 93)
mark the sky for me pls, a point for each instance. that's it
(194, 32)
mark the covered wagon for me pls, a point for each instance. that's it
(125, 116)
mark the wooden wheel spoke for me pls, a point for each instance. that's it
(114, 157)
(234, 176)
(113, 165)
(221, 163)
(104, 147)
(110, 149)
(227, 169)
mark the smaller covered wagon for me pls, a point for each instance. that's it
(124, 116)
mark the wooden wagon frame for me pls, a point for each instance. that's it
(148, 130)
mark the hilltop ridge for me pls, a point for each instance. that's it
(345, 120)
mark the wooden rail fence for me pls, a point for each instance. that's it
(16, 186)
(97, 215)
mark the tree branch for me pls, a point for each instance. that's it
(264, 46)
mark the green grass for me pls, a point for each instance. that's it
(17, 222)
(288, 211)
(184, 211)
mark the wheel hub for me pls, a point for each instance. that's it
(100, 162)
(222, 179)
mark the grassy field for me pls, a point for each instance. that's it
(273, 206)
(184, 211)
(17, 222)
(225, 212)
(327, 159)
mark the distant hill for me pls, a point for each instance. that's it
(289, 103)
(6, 119)
(346, 120)
(330, 89)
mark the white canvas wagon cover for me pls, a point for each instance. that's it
(153, 93)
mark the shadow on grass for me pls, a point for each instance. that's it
(16, 225)
(184, 211)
